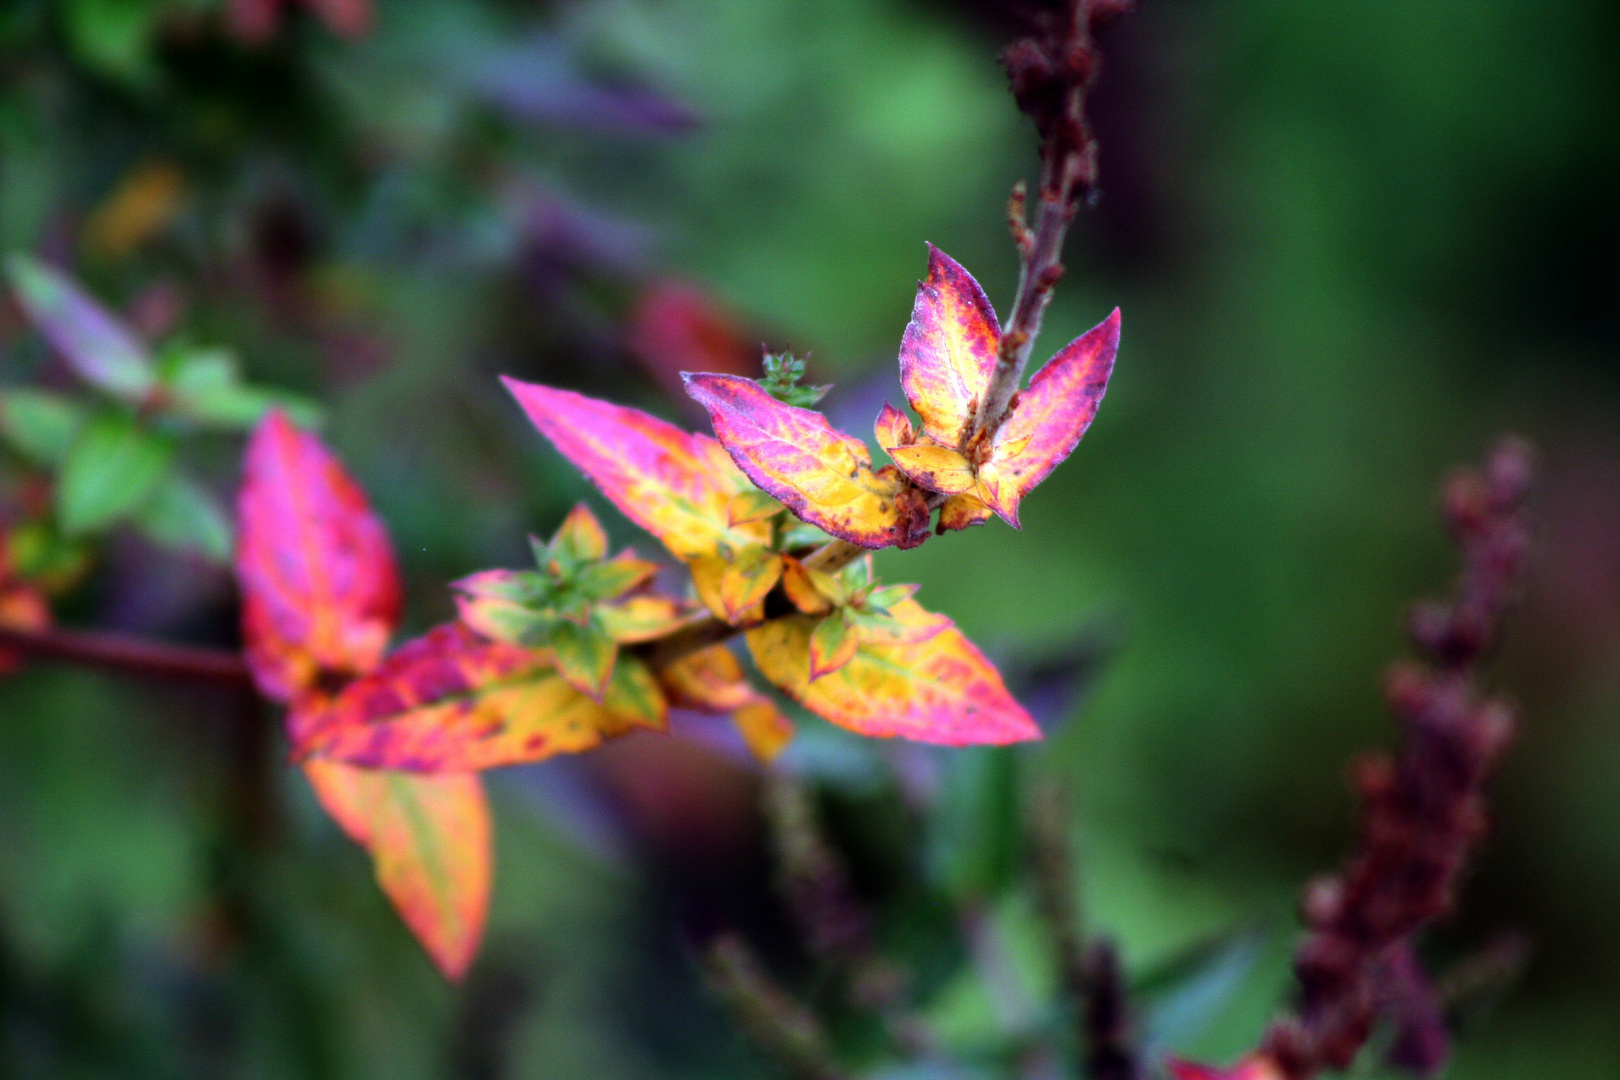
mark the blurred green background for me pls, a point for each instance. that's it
(1352, 244)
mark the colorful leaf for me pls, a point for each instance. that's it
(452, 701)
(821, 474)
(962, 511)
(948, 351)
(429, 839)
(640, 618)
(100, 349)
(832, 644)
(940, 690)
(801, 589)
(320, 592)
(614, 577)
(937, 468)
(677, 486)
(494, 603)
(633, 695)
(892, 428)
(579, 539)
(1048, 418)
(748, 579)
(751, 505)
(115, 466)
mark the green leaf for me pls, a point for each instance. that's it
(112, 470)
(632, 693)
(612, 579)
(881, 600)
(101, 350)
(206, 386)
(832, 644)
(782, 374)
(584, 656)
(578, 541)
(40, 425)
(184, 516)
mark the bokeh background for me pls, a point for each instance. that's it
(1353, 243)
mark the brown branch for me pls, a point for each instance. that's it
(1050, 73)
(136, 656)
(1424, 809)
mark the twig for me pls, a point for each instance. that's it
(1092, 979)
(137, 656)
(1050, 72)
(767, 1013)
(1424, 810)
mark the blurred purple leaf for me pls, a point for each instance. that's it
(541, 81)
(100, 349)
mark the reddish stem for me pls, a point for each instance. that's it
(137, 656)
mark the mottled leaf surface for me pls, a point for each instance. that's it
(320, 592)
(1050, 416)
(818, 472)
(676, 485)
(939, 690)
(430, 844)
(948, 351)
(452, 701)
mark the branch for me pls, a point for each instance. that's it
(137, 656)
(778, 1023)
(1050, 73)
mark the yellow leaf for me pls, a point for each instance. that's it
(429, 839)
(940, 690)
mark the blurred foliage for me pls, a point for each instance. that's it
(1351, 243)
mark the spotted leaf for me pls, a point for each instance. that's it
(939, 690)
(1048, 419)
(821, 474)
(678, 486)
(948, 351)
(320, 592)
(453, 701)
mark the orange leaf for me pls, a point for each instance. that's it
(948, 352)
(1049, 417)
(429, 839)
(821, 474)
(712, 681)
(452, 701)
(801, 589)
(961, 511)
(22, 607)
(747, 580)
(763, 728)
(940, 690)
(677, 486)
(320, 592)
